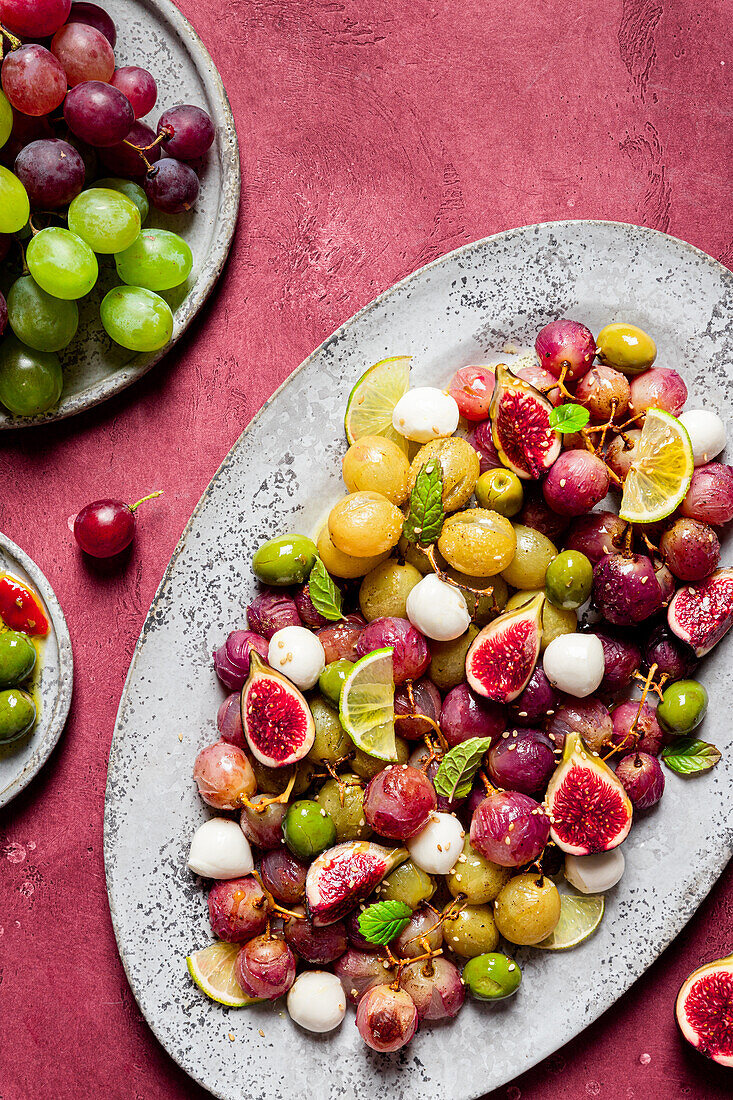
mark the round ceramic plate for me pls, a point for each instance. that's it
(154, 34)
(51, 684)
(280, 476)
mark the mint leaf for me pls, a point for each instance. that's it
(569, 417)
(324, 594)
(454, 777)
(687, 755)
(425, 517)
(381, 922)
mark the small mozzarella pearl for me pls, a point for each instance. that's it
(316, 1001)
(438, 845)
(438, 610)
(298, 654)
(707, 434)
(425, 413)
(574, 663)
(596, 873)
(219, 849)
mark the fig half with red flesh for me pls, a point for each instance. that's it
(589, 809)
(520, 426)
(276, 718)
(701, 614)
(343, 876)
(704, 1010)
(503, 655)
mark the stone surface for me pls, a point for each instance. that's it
(375, 137)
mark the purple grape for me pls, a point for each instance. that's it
(173, 187)
(124, 161)
(306, 609)
(625, 589)
(94, 16)
(538, 701)
(398, 801)
(642, 778)
(138, 85)
(710, 496)
(622, 451)
(97, 113)
(263, 829)
(659, 388)
(283, 875)
(191, 131)
(423, 925)
(523, 761)
(666, 582)
(354, 932)
(359, 971)
(622, 658)
(568, 345)
(266, 967)
(646, 734)
(596, 535)
(6, 239)
(417, 760)
(231, 660)
(271, 611)
(386, 1018)
(465, 715)
(410, 657)
(436, 988)
(671, 656)
(316, 945)
(229, 720)
(3, 314)
(576, 482)
(52, 173)
(691, 549)
(483, 444)
(237, 909)
(538, 515)
(492, 836)
(589, 717)
(427, 702)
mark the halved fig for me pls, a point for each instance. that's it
(343, 876)
(276, 719)
(520, 426)
(503, 655)
(701, 614)
(589, 809)
(703, 1010)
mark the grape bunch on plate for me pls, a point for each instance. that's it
(79, 172)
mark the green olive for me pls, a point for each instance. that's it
(368, 766)
(471, 931)
(287, 559)
(17, 714)
(683, 707)
(347, 816)
(332, 679)
(17, 658)
(477, 878)
(384, 591)
(408, 883)
(533, 554)
(448, 660)
(307, 829)
(501, 490)
(555, 621)
(626, 348)
(331, 743)
(492, 977)
(460, 469)
(569, 579)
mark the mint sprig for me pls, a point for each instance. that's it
(324, 594)
(454, 778)
(425, 517)
(687, 755)
(382, 921)
(569, 417)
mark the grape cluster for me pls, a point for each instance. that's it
(79, 172)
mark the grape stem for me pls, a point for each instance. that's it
(274, 905)
(277, 800)
(150, 496)
(141, 150)
(15, 43)
(429, 552)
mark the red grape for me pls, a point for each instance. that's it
(427, 701)
(472, 387)
(265, 828)
(523, 761)
(436, 988)
(84, 53)
(223, 775)
(710, 496)
(646, 734)
(621, 659)
(422, 927)
(104, 528)
(339, 641)
(360, 971)
(123, 160)
(34, 18)
(596, 535)
(316, 945)
(576, 482)
(98, 114)
(139, 86)
(671, 656)
(566, 344)
(266, 967)
(173, 188)
(191, 131)
(283, 875)
(604, 392)
(33, 80)
(306, 608)
(51, 171)
(465, 715)
(26, 128)
(509, 828)
(659, 388)
(231, 660)
(626, 589)
(483, 444)
(94, 16)
(3, 314)
(537, 702)
(398, 801)
(642, 778)
(386, 1018)
(622, 452)
(237, 909)
(691, 549)
(540, 517)
(229, 720)
(410, 656)
(589, 717)
(271, 611)
(542, 380)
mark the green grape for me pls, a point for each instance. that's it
(62, 263)
(6, 119)
(38, 319)
(107, 220)
(157, 260)
(30, 381)
(136, 318)
(133, 191)
(14, 205)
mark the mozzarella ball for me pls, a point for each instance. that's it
(220, 849)
(596, 873)
(438, 845)
(438, 610)
(574, 663)
(707, 434)
(298, 654)
(316, 1001)
(425, 413)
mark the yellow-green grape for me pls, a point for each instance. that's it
(408, 883)
(343, 801)
(478, 542)
(459, 465)
(343, 565)
(364, 524)
(136, 318)
(527, 909)
(533, 554)
(30, 380)
(368, 766)
(471, 931)
(385, 589)
(331, 743)
(482, 609)
(38, 319)
(6, 119)
(61, 263)
(15, 206)
(131, 190)
(448, 660)
(156, 259)
(377, 464)
(107, 220)
(477, 878)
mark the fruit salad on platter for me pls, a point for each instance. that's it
(23, 627)
(450, 704)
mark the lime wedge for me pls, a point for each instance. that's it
(373, 398)
(660, 476)
(367, 705)
(580, 915)
(212, 968)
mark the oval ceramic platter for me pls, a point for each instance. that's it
(154, 34)
(280, 476)
(51, 683)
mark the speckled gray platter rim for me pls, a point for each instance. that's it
(226, 217)
(51, 724)
(680, 900)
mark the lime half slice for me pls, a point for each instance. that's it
(367, 705)
(580, 915)
(660, 476)
(212, 968)
(373, 398)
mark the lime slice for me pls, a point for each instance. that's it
(212, 968)
(367, 705)
(580, 915)
(373, 398)
(659, 478)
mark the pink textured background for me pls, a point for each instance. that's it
(375, 136)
